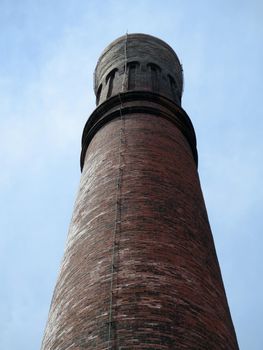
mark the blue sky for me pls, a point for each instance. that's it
(48, 52)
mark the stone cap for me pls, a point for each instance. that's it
(138, 62)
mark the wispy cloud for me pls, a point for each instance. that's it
(48, 55)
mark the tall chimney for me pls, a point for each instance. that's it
(140, 269)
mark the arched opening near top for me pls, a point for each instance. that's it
(109, 80)
(132, 71)
(98, 94)
(155, 73)
(173, 87)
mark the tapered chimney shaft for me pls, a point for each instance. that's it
(140, 269)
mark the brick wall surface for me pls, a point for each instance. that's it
(145, 50)
(167, 288)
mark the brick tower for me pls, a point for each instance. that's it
(140, 269)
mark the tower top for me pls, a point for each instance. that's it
(138, 62)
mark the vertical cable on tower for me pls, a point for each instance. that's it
(117, 222)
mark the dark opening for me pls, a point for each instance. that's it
(98, 94)
(132, 68)
(155, 75)
(173, 86)
(109, 80)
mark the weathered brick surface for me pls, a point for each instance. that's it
(145, 50)
(168, 292)
(140, 252)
